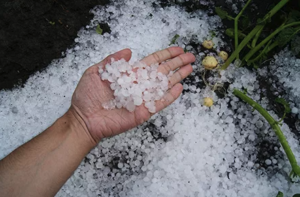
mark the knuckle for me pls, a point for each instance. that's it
(169, 52)
(169, 65)
(181, 58)
(156, 57)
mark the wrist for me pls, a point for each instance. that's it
(79, 128)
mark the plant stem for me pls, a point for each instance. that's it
(255, 49)
(279, 194)
(274, 10)
(253, 32)
(272, 46)
(274, 124)
(230, 17)
(236, 19)
(264, 51)
(241, 46)
(256, 37)
(236, 37)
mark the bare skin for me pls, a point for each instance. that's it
(41, 166)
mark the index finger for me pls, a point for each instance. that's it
(163, 55)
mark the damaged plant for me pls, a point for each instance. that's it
(276, 127)
(256, 53)
(259, 45)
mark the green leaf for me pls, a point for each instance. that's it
(294, 16)
(173, 41)
(280, 194)
(99, 30)
(245, 90)
(267, 19)
(222, 13)
(255, 65)
(296, 195)
(295, 46)
(285, 104)
(230, 32)
(244, 22)
(287, 35)
(212, 34)
(261, 21)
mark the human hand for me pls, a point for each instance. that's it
(92, 92)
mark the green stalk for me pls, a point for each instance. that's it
(229, 17)
(272, 46)
(253, 32)
(274, 10)
(265, 51)
(267, 39)
(236, 19)
(236, 37)
(260, 54)
(274, 124)
(279, 194)
(241, 46)
(256, 37)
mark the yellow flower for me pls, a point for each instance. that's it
(223, 55)
(208, 102)
(208, 44)
(209, 62)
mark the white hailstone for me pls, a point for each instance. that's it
(134, 84)
(144, 74)
(153, 75)
(113, 86)
(131, 154)
(259, 124)
(120, 165)
(222, 169)
(250, 164)
(120, 81)
(130, 106)
(119, 105)
(268, 161)
(146, 96)
(295, 110)
(138, 101)
(104, 75)
(137, 163)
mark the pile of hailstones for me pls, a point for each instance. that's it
(134, 84)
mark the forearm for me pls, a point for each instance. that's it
(41, 166)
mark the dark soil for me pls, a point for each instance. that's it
(34, 32)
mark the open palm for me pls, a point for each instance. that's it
(92, 92)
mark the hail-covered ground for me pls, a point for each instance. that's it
(187, 149)
(286, 68)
